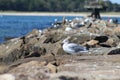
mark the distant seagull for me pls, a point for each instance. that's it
(73, 48)
(111, 20)
(68, 28)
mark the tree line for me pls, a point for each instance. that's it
(50, 5)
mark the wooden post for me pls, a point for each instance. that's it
(96, 13)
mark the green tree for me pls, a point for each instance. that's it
(51, 5)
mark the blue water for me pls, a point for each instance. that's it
(16, 26)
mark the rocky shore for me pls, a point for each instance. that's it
(39, 54)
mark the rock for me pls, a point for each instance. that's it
(9, 46)
(105, 45)
(3, 68)
(61, 52)
(115, 39)
(52, 68)
(53, 38)
(99, 51)
(33, 33)
(111, 24)
(39, 54)
(108, 31)
(35, 51)
(93, 30)
(114, 51)
(100, 75)
(80, 39)
(11, 50)
(89, 68)
(32, 70)
(101, 39)
(8, 38)
(66, 76)
(11, 57)
(51, 47)
(32, 40)
(117, 31)
(118, 46)
(92, 42)
(111, 42)
(7, 77)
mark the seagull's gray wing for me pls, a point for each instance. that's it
(76, 47)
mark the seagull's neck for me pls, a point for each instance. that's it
(66, 42)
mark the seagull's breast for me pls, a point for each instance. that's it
(67, 48)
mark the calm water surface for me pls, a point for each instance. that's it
(15, 26)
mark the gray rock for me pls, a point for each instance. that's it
(33, 70)
(7, 77)
(114, 51)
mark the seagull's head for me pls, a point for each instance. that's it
(66, 40)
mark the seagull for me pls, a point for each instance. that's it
(68, 28)
(73, 48)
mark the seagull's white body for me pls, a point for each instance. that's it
(68, 29)
(73, 48)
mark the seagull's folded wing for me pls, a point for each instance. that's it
(75, 47)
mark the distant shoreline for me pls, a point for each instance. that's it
(111, 14)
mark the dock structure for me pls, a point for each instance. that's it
(95, 6)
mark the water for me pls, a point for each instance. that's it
(16, 26)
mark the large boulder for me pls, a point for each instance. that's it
(32, 70)
(10, 51)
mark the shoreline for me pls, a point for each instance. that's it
(111, 14)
